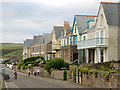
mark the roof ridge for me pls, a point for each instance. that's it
(58, 26)
(111, 2)
(87, 15)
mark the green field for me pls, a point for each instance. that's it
(5, 46)
(11, 51)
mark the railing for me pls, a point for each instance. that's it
(55, 46)
(96, 42)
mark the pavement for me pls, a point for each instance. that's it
(23, 81)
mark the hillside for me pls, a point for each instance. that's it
(11, 51)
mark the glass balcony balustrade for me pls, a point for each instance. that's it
(56, 46)
(96, 42)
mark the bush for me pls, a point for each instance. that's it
(65, 75)
(74, 75)
(52, 69)
(66, 65)
(56, 64)
(32, 59)
(104, 68)
(107, 77)
(84, 70)
(21, 63)
(95, 72)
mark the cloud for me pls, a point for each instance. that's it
(22, 19)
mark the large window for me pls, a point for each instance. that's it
(100, 37)
(102, 55)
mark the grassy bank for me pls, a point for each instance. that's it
(11, 51)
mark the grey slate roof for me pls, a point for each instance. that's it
(28, 43)
(111, 12)
(47, 38)
(37, 40)
(58, 30)
(81, 21)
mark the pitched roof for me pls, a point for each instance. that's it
(81, 21)
(58, 30)
(28, 43)
(111, 12)
(47, 38)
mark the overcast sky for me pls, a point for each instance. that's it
(21, 19)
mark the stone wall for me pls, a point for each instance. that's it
(72, 67)
(100, 81)
(59, 74)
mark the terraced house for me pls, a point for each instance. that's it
(39, 43)
(56, 42)
(36, 49)
(91, 39)
(79, 25)
(65, 42)
(27, 48)
(100, 41)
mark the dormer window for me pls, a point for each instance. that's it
(101, 20)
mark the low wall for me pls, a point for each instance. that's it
(57, 74)
(100, 81)
(72, 67)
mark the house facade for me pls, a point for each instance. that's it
(56, 42)
(27, 48)
(100, 42)
(49, 54)
(39, 44)
(36, 48)
(79, 25)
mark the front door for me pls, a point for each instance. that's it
(91, 55)
(75, 56)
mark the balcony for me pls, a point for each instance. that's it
(92, 43)
(56, 47)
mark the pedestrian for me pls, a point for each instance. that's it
(29, 73)
(15, 74)
(38, 71)
(35, 72)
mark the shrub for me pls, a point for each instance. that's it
(65, 75)
(84, 70)
(23, 66)
(74, 75)
(90, 72)
(52, 69)
(26, 67)
(66, 65)
(31, 59)
(21, 63)
(107, 77)
(104, 68)
(95, 72)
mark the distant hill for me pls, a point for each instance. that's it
(11, 51)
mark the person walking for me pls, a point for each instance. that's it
(38, 71)
(35, 72)
(29, 73)
(15, 74)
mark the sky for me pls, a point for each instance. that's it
(21, 19)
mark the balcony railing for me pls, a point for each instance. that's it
(56, 46)
(96, 42)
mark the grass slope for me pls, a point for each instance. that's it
(15, 55)
(11, 51)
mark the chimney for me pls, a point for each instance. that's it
(66, 25)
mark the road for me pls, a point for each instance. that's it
(24, 81)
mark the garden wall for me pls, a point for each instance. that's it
(72, 67)
(100, 81)
(59, 74)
